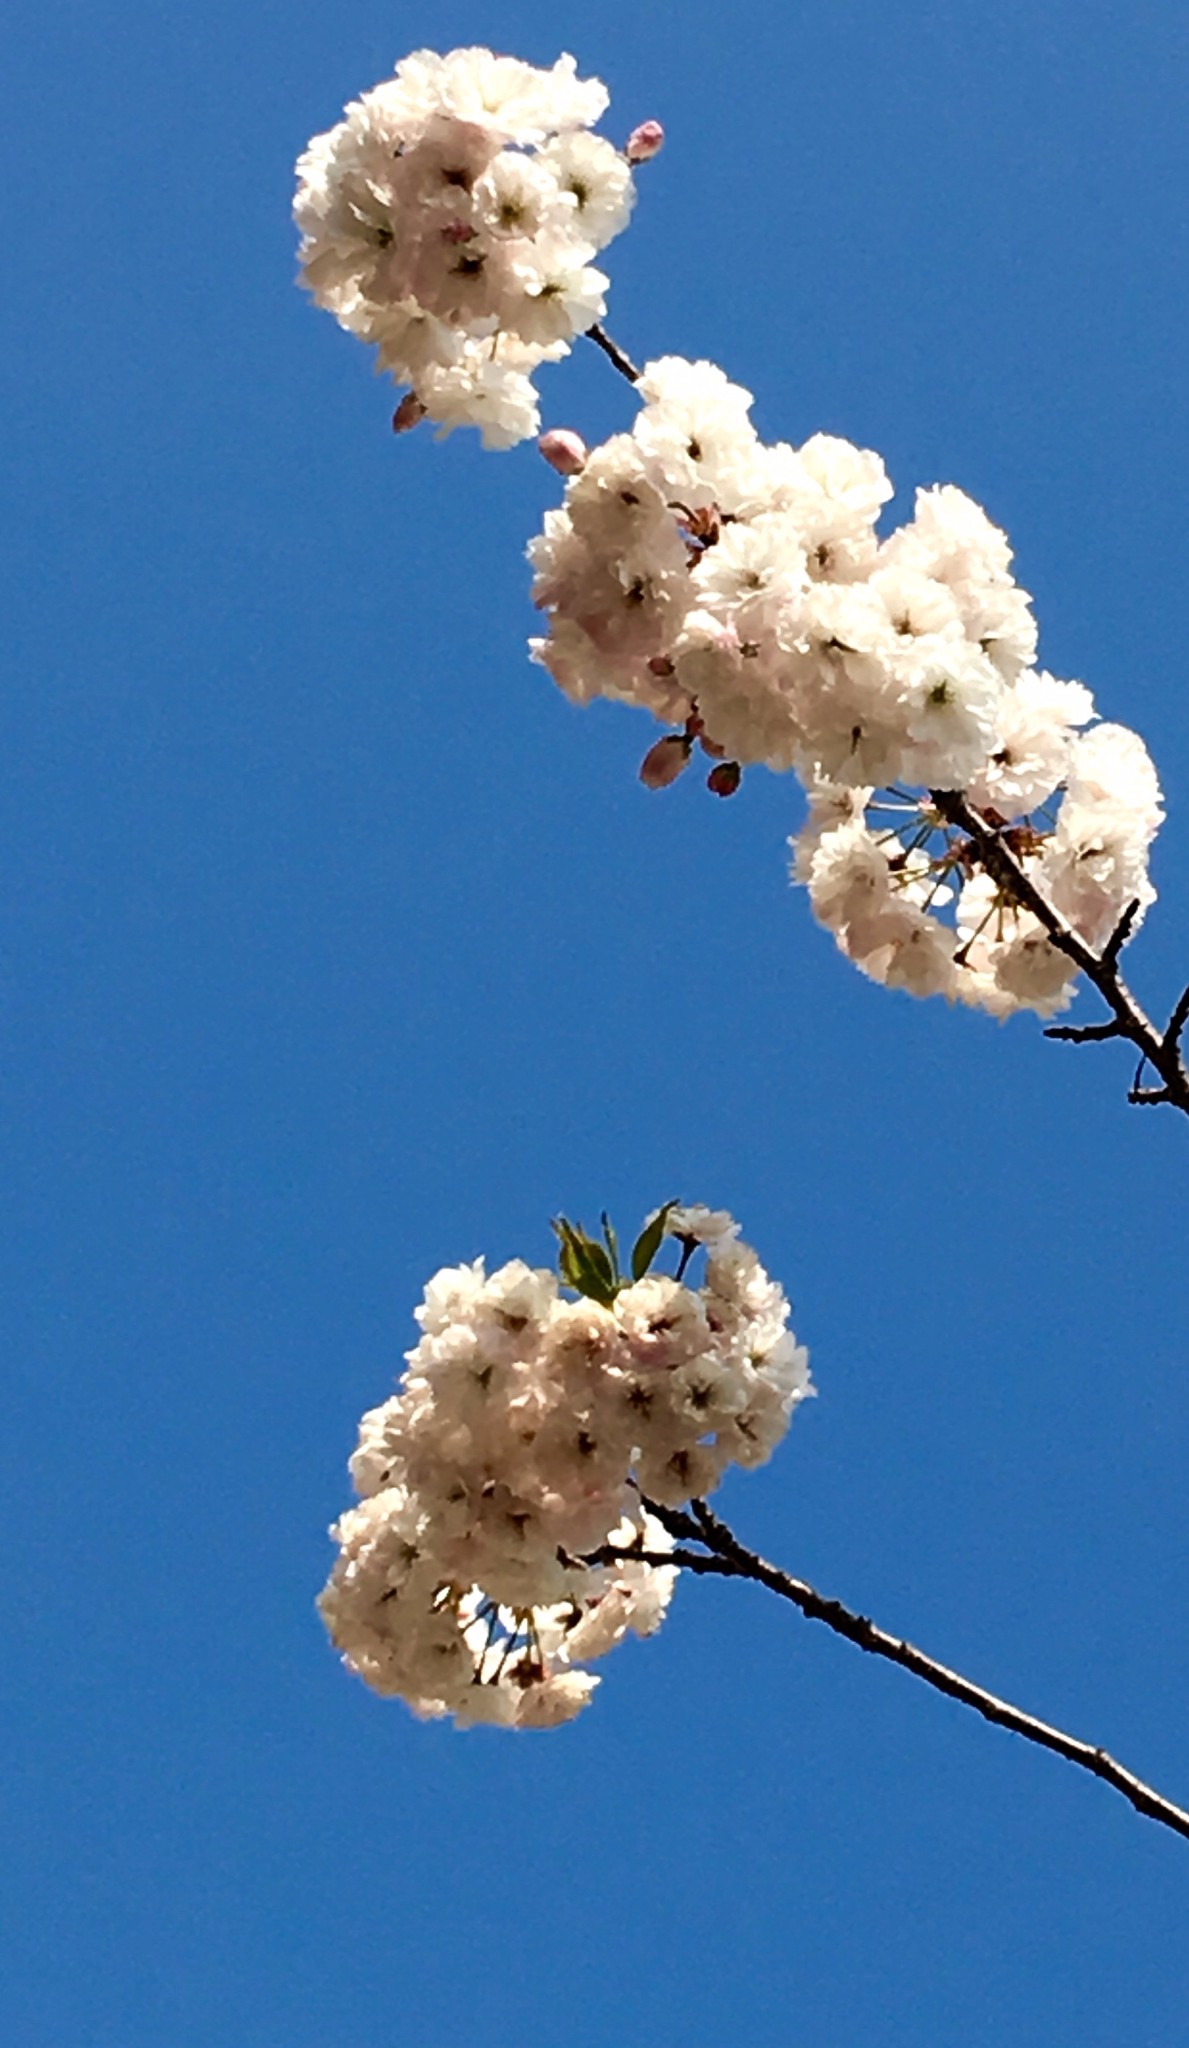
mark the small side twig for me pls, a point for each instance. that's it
(1122, 932)
(1083, 1034)
(722, 1555)
(614, 354)
(1178, 1021)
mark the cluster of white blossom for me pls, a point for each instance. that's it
(877, 887)
(742, 593)
(529, 1433)
(451, 218)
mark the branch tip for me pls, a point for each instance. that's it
(1178, 1021)
(1084, 1034)
(1122, 932)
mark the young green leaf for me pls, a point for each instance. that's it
(612, 1245)
(648, 1243)
(583, 1264)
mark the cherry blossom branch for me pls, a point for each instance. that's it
(1160, 1050)
(722, 1555)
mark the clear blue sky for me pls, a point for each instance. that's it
(337, 946)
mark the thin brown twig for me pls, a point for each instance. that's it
(614, 354)
(1159, 1050)
(722, 1555)
(1178, 1020)
(1084, 1034)
(1122, 932)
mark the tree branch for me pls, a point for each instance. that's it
(1159, 1049)
(722, 1555)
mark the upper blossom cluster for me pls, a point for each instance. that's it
(527, 1432)
(451, 218)
(743, 593)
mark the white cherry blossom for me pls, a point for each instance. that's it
(451, 218)
(745, 595)
(497, 1543)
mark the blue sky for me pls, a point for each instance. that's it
(337, 946)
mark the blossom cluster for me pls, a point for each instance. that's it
(742, 593)
(451, 219)
(503, 1536)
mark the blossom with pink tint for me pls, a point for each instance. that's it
(665, 761)
(451, 218)
(644, 142)
(564, 450)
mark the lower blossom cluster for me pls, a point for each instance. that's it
(503, 1538)
(742, 594)
(451, 218)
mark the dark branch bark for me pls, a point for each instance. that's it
(1178, 1020)
(1159, 1050)
(613, 353)
(1084, 1034)
(722, 1555)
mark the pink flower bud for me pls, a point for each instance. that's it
(563, 450)
(409, 414)
(660, 665)
(725, 779)
(663, 763)
(644, 141)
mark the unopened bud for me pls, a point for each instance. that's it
(644, 141)
(660, 665)
(725, 779)
(409, 414)
(663, 763)
(564, 450)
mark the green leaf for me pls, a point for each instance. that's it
(649, 1242)
(571, 1271)
(583, 1264)
(612, 1245)
(596, 1258)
